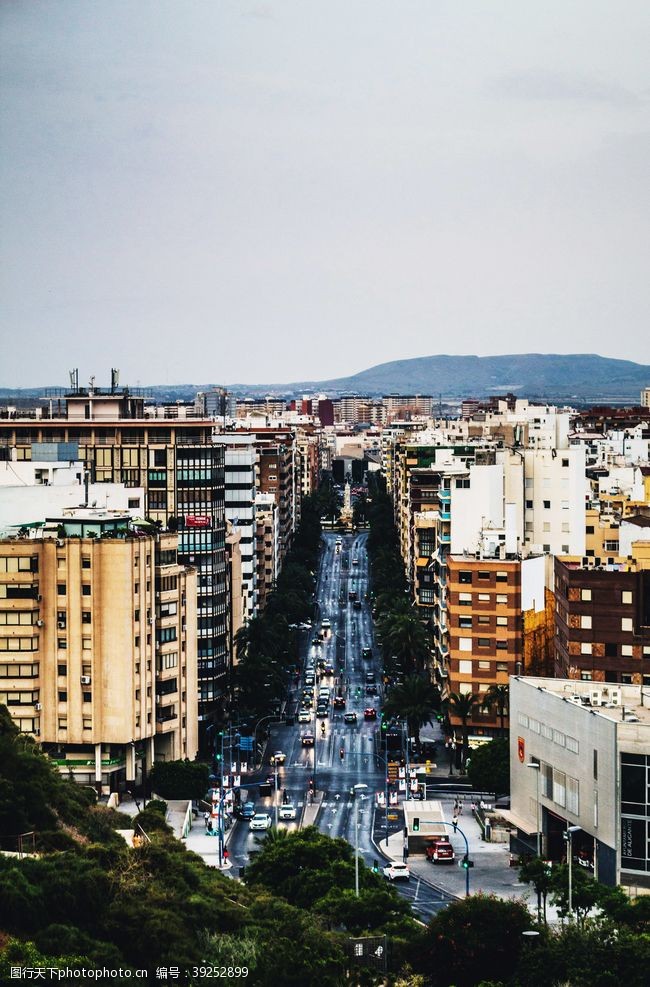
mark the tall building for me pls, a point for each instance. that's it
(240, 482)
(98, 645)
(182, 474)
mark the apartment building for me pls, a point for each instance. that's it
(486, 598)
(182, 474)
(237, 593)
(98, 645)
(240, 488)
(267, 538)
(580, 757)
(602, 620)
(407, 406)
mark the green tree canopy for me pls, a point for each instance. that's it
(489, 767)
(181, 779)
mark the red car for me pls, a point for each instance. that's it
(440, 851)
(370, 713)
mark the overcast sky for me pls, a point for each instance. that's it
(239, 191)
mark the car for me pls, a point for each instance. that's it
(397, 872)
(352, 595)
(307, 740)
(261, 820)
(440, 850)
(366, 653)
(371, 690)
(322, 712)
(370, 676)
(350, 717)
(326, 624)
(370, 713)
(355, 562)
(278, 757)
(304, 716)
(356, 605)
(287, 811)
(329, 669)
(309, 681)
(245, 810)
(316, 641)
(339, 702)
(308, 692)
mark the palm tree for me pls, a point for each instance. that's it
(463, 705)
(404, 637)
(497, 696)
(415, 700)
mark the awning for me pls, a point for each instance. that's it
(422, 562)
(515, 820)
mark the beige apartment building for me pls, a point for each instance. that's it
(98, 645)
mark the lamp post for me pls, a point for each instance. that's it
(568, 836)
(536, 767)
(357, 791)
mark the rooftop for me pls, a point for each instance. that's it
(621, 703)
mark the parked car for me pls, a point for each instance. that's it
(287, 811)
(278, 757)
(350, 717)
(261, 820)
(307, 740)
(370, 713)
(304, 716)
(397, 872)
(440, 850)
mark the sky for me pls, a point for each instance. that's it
(257, 191)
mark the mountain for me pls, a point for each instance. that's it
(580, 377)
(583, 376)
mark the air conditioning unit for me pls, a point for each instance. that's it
(40, 623)
(159, 699)
(85, 680)
(38, 707)
(61, 624)
(596, 697)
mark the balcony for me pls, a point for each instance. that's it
(444, 496)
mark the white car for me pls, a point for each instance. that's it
(261, 820)
(287, 811)
(304, 716)
(397, 872)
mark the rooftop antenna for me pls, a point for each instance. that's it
(115, 379)
(74, 379)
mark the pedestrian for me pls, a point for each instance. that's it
(460, 809)
(454, 823)
(206, 820)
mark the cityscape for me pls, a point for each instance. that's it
(389, 667)
(324, 493)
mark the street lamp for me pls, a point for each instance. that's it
(568, 836)
(357, 792)
(537, 768)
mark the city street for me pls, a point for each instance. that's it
(343, 754)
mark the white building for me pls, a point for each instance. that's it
(591, 742)
(240, 491)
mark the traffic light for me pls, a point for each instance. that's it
(416, 824)
(375, 867)
(466, 863)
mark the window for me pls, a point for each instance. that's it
(547, 526)
(611, 650)
(465, 644)
(585, 648)
(62, 669)
(483, 574)
(572, 798)
(85, 589)
(86, 617)
(502, 577)
(483, 619)
(565, 462)
(590, 529)
(87, 697)
(60, 589)
(547, 505)
(465, 622)
(465, 576)
(595, 764)
(465, 599)
(62, 644)
(63, 696)
(85, 562)
(565, 505)
(529, 505)
(627, 651)
(502, 645)
(585, 595)
(627, 624)
(484, 665)
(484, 642)
(502, 598)
(559, 788)
(626, 596)
(484, 597)
(585, 623)
(465, 667)
(502, 621)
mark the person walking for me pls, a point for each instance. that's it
(454, 822)
(206, 820)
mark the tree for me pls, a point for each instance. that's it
(497, 696)
(586, 893)
(463, 706)
(489, 767)
(475, 940)
(415, 700)
(403, 636)
(538, 873)
(181, 779)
